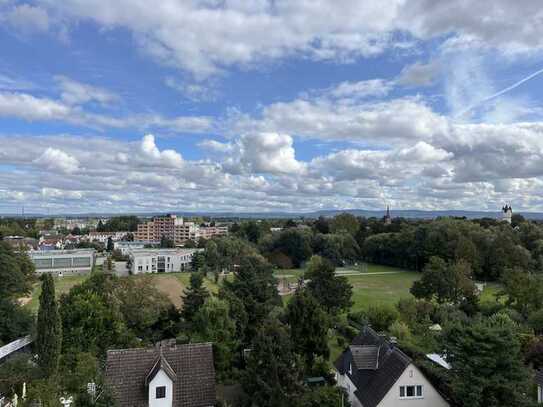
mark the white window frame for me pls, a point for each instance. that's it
(415, 388)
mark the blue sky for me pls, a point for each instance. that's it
(269, 106)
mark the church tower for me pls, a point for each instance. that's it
(387, 219)
(507, 213)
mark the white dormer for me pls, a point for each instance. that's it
(160, 382)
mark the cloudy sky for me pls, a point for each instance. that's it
(270, 105)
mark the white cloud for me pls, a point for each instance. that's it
(216, 146)
(220, 35)
(269, 153)
(57, 160)
(76, 93)
(150, 151)
(419, 74)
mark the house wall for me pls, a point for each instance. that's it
(345, 382)
(161, 379)
(413, 376)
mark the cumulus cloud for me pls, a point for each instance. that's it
(57, 160)
(150, 151)
(270, 153)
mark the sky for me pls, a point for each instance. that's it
(270, 105)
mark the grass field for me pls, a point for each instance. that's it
(171, 284)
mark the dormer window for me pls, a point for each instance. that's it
(161, 392)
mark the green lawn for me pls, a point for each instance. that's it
(381, 289)
(62, 285)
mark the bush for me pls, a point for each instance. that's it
(380, 317)
(535, 321)
(400, 330)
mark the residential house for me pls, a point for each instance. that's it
(376, 373)
(168, 375)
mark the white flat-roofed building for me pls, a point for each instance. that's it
(126, 247)
(63, 262)
(161, 260)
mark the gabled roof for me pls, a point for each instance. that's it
(160, 364)
(128, 372)
(373, 384)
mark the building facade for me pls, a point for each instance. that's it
(376, 373)
(174, 228)
(160, 260)
(63, 262)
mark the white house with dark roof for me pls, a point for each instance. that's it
(376, 373)
(168, 375)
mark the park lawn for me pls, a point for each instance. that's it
(490, 293)
(381, 289)
(62, 285)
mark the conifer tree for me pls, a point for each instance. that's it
(49, 329)
(194, 296)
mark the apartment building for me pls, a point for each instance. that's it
(63, 262)
(160, 260)
(174, 228)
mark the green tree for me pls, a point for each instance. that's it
(445, 282)
(345, 222)
(213, 323)
(194, 296)
(49, 329)
(324, 396)
(486, 363)
(110, 246)
(254, 290)
(333, 292)
(523, 291)
(166, 243)
(273, 374)
(198, 261)
(308, 327)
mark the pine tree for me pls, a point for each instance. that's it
(49, 329)
(194, 297)
(308, 327)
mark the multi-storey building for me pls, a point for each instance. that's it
(175, 229)
(161, 260)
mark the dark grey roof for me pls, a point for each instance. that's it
(365, 356)
(373, 384)
(539, 377)
(192, 364)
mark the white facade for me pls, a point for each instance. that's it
(161, 385)
(126, 247)
(412, 389)
(63, 262)
(161, 260)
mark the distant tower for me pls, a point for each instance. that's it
(507, 213)
(387, 219)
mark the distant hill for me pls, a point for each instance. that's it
(405, 213)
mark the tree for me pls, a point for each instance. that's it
(273, 374)
(254, 290)
(445, 282)
(324, 396)
(333, 292)
(345, 222)
(321, 225)
(486, 364)
(110, 246)
(194, 296)
(523, 291)
(166, 243)
(49, 330)
(198, 261)
(214, 323)
(308, 327)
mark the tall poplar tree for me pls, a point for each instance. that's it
(49, 329)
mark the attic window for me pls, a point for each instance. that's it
(161, 392)
(411, 392)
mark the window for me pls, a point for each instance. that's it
(411, 392)
(161, 392)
